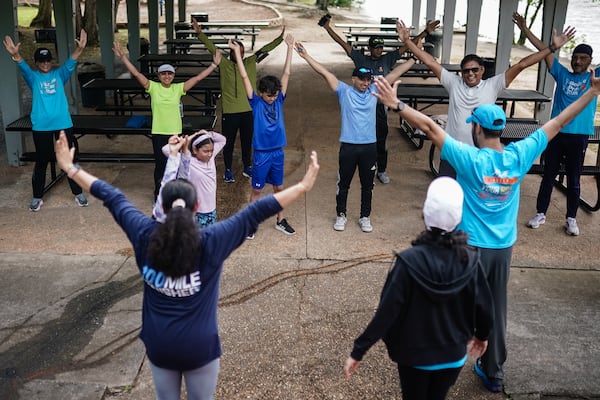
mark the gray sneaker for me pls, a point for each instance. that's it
(383, 177)
(571, 227)
(536, 221)
(340, 222)
(365, 224)
(36, 204)
(81, 200)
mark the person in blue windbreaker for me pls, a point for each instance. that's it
(49, 111)
(181, 266)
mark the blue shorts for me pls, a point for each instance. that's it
(268, 168)
(205, 219)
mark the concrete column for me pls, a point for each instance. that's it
(106, 32)
(448, 24)
(133, 31)
(473, 18)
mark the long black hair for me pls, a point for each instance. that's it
(174, 246)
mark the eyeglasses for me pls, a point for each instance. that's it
(473, 70)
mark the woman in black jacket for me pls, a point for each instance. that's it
(435, 302)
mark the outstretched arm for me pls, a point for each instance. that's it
(193, 81)
(287, 67)
(523, 63)
(387, 95)
(141, 78)
(81, 43)
(404, 36)
(331, 80)
(557, 40)
(429, 28)
(345, 45)
(290, 194)
(235, 47)
(554, 126)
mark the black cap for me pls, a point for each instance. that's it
(363, 73)
(376, 41)
(584, 49)
(42, 54)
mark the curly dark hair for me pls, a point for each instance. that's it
(269, 84)
(175, 245)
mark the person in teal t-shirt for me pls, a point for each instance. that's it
(49, 111)
(165, 98)
(490, 175)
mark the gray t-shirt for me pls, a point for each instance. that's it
(463, 99)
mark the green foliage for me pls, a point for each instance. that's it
(345, 3)
(25, 15)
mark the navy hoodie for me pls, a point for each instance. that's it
(432, 303)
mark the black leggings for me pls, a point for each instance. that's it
(418, 384)
(44, 153)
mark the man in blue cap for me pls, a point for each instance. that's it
(490, 175)
(572, 139)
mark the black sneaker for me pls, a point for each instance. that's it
(284, 227)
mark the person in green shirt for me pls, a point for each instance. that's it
(237, 114)
(165, 98)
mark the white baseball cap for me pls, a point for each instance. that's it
(166, 68)
(443, 205)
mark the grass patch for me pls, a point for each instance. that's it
(26, 14)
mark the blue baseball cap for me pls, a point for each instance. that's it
(489, 116)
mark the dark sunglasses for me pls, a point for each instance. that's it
(473, 70)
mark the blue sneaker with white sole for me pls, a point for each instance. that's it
(492, 384)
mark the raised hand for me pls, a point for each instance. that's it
(432, 25)
(289, 40)
(300, 49)
(519, 21)
(118, 50)
(82, 42)
(217, 57)
(403, 31)
(560, 40)
(11, 47)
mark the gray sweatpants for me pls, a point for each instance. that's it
(200, 383)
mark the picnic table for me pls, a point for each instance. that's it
(183, 46)
(108, 125)
(126, 90)
(252, 28)
(420, 70)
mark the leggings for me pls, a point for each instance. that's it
(230, 124)
(44, 153)
(418, 384)
(160, 160)
(200, 383)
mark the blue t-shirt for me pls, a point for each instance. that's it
(49, 109)
(570, 87)
(358, 114)
(269, 127)
(491, 182)
(179, 315)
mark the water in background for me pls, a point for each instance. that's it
(582, 14)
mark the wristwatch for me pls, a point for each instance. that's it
(73, 170)
(400, 106)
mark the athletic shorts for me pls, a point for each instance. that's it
(268, 168)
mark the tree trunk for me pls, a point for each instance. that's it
(116, 10)
(322, 4)
(78, 18)
(90, 22)
(43, 19)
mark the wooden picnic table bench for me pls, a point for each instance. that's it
(108, 125)
(252, 27)
(150, 62)
(183, 46)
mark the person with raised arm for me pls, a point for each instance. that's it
(165, 100)
(181, 266)
(490, 174)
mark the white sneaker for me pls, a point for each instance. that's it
(536, 221)
(340, 222)
(571, 227)
(365, 224)
(383, 177)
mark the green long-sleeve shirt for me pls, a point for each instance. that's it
(233, 94)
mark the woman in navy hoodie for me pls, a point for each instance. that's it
(435, 302)
(181, 266)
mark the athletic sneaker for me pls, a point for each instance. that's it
(340, 222)
(571, 227)
(228, 177)
(536, 221)
(365, 224)
(247, 172)
(284, 227)
(81, 200)
(250, 236)
(383, 177)
(492, 384)
(36, 204)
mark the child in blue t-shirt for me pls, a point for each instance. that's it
(269, 130)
